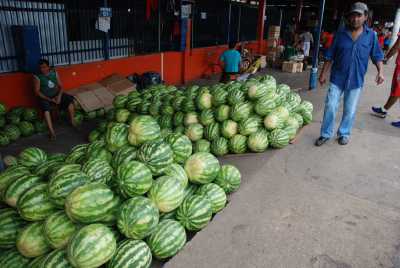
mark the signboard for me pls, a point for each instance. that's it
(105, 12)
(186, 11)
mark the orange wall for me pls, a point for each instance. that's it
(178, 67)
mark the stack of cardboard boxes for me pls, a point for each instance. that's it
(272, 43)
(292, 67)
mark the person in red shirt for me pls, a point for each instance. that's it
(395, 92)
(327, 40)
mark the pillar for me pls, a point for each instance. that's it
(260, 25)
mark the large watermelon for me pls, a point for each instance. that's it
(31, 241)
(256, 91)
(166, 193)
(116, 136)
(219, 96)
(202, 146)
(4, 139)
(250, 125)
(181, 147)
(30, 114)
(37, 262)
(12, 132)
(194, 132)
(240, 111)
(13, 259)
(204, 100)
(26, 128)
(10, 225)
(11, 174)
(91, 203)
(165, 121)
(222, 113)
(58, 229)
(77, 154)
(229, 128)
(176, 171)
(120, 101)
(56, 258)
(46, 168)
(34, 204)
(122, 115)
(264, 106)
(238, 144)
(18, 187)
(278, 138)
(156, 155)
(207, 117)
(168, 238)
(142, 129)
(228, 178)
(258, 142)
(92, 246)
(32, 157)
(98, 170)
(219, 146)
(235, 96)
(133, 178)
(124, 154)
(202, 168)
(2, 121)
(137, 217)
(178, 119)
(273, 121)
(190, 118)
(131, 253)
(194, 213)
(215, 194)
(212, 132)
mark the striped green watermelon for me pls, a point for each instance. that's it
(207, 117)
(168, 216)
(77, 154)
(56, 258)
(26, 128)
(142, 129)
(165, 121)
(256, 91)
(178, 172)
(12, 132)
(123, 154)
(167, 110)
(238, 144)
(30, 114)
(137, 217)
(250, 125)
(13, 118)
(235, 96)
(56, 157)
(32, 157)
(168, 238)
(240, 111)
(91, 203)
(143, 108)
(10, 175)
(228, 178)
(202, 146)
(156, 155)
(204, 100)
(131, 253)
(306, 106)
(179, 130)
(194, 132)
(58, 229)
(299, 119)
(178, 119)
(155, 108)
(122, 115)
(31, 241)
(92, 246)
(219, 96)
(37, 262)
(34, 204)
(13, 259)
(194, 213)
(116, 136)
(273, 121)
(212, 132)
(98, 170)
(188, 106)
(2, 121)
(190, 118)
(189, 190)
(229, 128)
(65, 168)
(258, 142)
(166, 132)
(215, 194)
(278, 138)
(202, 168)
(10, 224)
(222, 113)
(4, 140)
(133, 178)
(18, 187)
(133, 103)
(110, 114)
(219, 146)
(307, 117)
(63, 183)
(291, 131)
(40, 126)
(177, 103)
(94, 135)
(283, 89)
(45, 168)
(120, 101)
(181, 147)
(166, 193)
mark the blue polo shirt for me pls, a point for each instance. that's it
(231, 59)
(350, 58)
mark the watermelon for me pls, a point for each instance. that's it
(282, 111)
(3, 108)
(235, 96)
(219, 96)
(155, 108)
(78, 118)
(178, 172)
(131, 253)
(123, 154)
(89, 115)
(202, 146)
(94, 135)
(256, 91)
(156, 155)
(238, 144)
(229, 129)
(165, 132)
(10, 160)
(56, 258)
(177, 103)
(212, 132)
(250, 125)
(30, 114)
(143, 108)
(190, 190)
(190, 118)
(92, 246)
(120, 101)
(77, 154)
(207, 117)
(291, 131)
(188, 106)
(179, 130)
(166, 193)
(11, 174)
(13, 119)
(133, 178)
(215, 194)
(10, 224)
(132, 103)
(18, 187)
(240, 111)
(98, 170)
(165, 121)
(91, 203)
(32, 157)
(56, 157)
(40, 126)
(137, 217)
(34, 204)
(26, 128)
(181, 147)
(168, 238)
(122, 115)
(273, 121)
(168, 216)
(13, 259)
(102, 126)
(63, 182)
(100, 113)
(97, 150)
(65, 168)
(110, 114)
(142, 129)
(2, 121)
(307, 117)
(306, 106)
(258, 142)
(202, 168)
(228, 178)
(12, 132)
(31, 241)
(292, 122)
(194, 213)
(299, 119)
(58, 229)
(204, 100)
(194, 132)
(4, 139)
(37, 262)
(219, 146)
(283, 89)
(178, 119)
(222, 113)
(167, 110)
(278, 138)
(116, 136)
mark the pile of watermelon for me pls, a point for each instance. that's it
(119, 201)
(237, 117)
(18, 122)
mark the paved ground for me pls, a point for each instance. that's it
(328, 207)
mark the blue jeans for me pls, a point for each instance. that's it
(332, 102)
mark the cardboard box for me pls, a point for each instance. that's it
(118, 85)
(289, 66)
(86, 96)
(299, 67)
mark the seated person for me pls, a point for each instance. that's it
(48, 88)
(231, 61)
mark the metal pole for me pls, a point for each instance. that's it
(229, 22)
(396, 27)
(314, 70)
(106, 40)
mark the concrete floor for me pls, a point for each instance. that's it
(302, 206)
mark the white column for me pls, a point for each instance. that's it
(396, 27)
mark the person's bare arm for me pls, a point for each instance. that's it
(37, 90)
(60, 89)
(379, 77)
(394, 49)
(323, 77)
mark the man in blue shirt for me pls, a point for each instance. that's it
(348, 60)
(231, 60)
